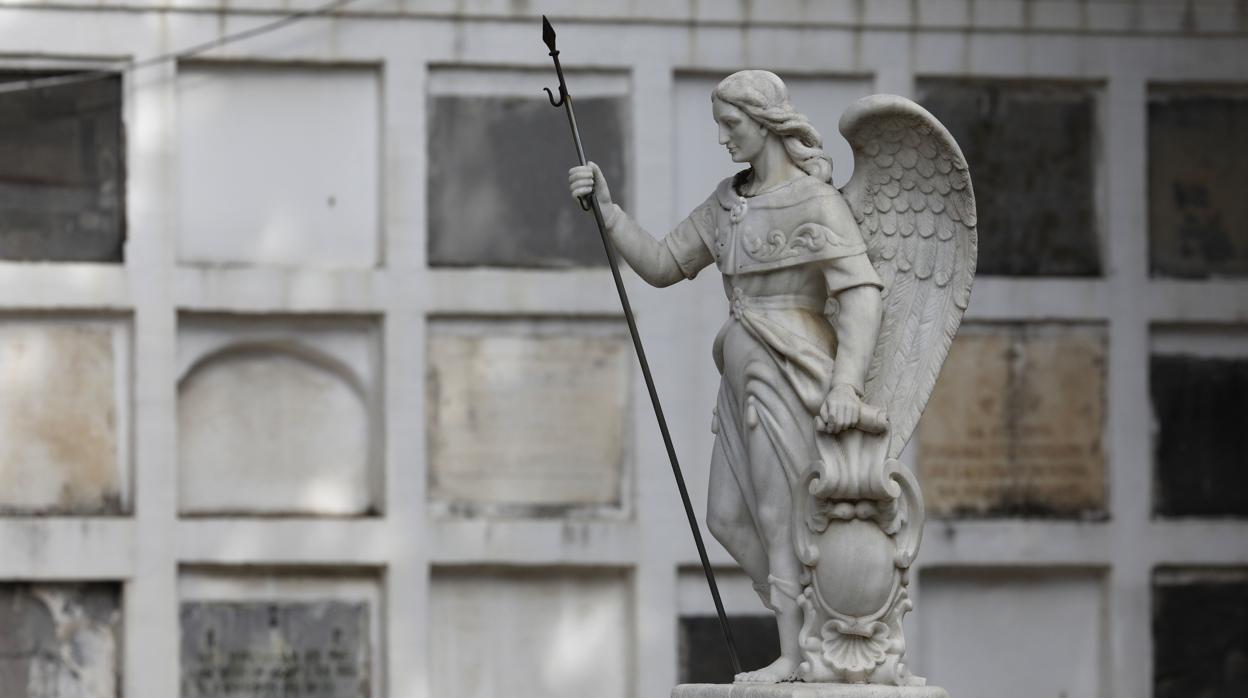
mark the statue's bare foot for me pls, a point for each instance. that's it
(779, 671)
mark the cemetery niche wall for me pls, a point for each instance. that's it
(265, 216)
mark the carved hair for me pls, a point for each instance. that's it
(763, 97)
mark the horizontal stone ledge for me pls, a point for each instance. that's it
(805, 690)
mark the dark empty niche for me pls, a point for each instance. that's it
(1030, 147)
(1197, 167)
(498, 180)
(1200, 633)
(62, 171)
(704, 654)
(1201, 409)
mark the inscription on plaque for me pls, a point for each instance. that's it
(306, 649)
(1014, 427)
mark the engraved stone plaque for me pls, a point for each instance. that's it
(59, 417)
(60, 641)
(528, 420)
(1014, 426)
(244, 649)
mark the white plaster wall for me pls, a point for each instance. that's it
(987, 633)
(530, 634)
(278, 165)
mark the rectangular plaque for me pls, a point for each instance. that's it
(1030, 147)
(243, 649)
(1014, 629)
(60, 640)
(530, 633)
(535, 420)
(1015, 424)
(1197, 166)
(59, 417)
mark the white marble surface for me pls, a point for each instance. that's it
(805, 690)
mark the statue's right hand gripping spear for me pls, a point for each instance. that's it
(590, 203)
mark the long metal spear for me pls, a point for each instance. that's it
(565, 101)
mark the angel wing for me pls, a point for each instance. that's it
(911, 195)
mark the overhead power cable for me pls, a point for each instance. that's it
(132, 65)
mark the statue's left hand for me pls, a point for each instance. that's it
(840, 411)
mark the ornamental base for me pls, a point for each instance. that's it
(804, 690)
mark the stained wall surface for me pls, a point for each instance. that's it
(303, 345)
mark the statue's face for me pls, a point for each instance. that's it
(742, 136)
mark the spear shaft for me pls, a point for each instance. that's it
(565, 101)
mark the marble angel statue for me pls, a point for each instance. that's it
(843, 304)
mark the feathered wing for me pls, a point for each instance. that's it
(911, 195)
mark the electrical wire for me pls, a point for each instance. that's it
(132, 65)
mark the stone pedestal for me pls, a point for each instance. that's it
(804, 690)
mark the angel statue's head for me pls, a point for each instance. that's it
(761, 96)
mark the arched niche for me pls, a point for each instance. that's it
(274, 428)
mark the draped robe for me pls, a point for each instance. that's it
(785, 254)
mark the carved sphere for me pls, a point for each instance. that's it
(855, 572)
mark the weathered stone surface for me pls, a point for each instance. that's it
(530, 633)
(60, 641)
(704, 655)
(1030, 147)
(279, 165)
(1200, 633)
(58, 419)
(1015, 424)
(62, 171)
(273, 430)
(1201, 405)
(498, 183)
(1197, 165)
(528, 420)
(806, 690)
(245, 649)
(1021, 632)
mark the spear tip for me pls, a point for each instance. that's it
(548, 33)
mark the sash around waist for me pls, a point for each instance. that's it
(740, 301)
